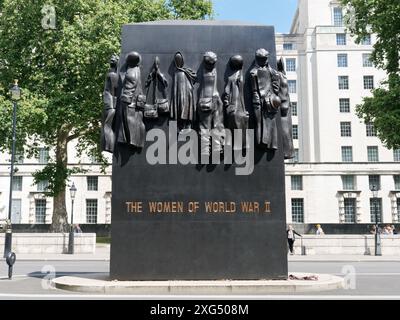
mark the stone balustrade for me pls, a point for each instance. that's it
(41, 243)
(347, 244)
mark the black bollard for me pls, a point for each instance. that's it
(10, 259)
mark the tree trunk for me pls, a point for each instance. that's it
(60, 217)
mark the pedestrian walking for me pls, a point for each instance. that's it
(291, 238)
(78, 229)
(319, 230)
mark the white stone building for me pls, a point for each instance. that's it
(30, 206)
(338, 156)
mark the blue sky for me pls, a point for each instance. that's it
(278, 13)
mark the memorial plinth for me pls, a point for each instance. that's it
(197, 221)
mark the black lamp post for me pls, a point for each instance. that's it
(72, 191)
(15, 92)
(378, 251)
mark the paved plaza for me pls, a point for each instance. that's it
(365, 277)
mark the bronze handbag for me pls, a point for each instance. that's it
(140, 101)
(150, 108)
(150, 111)
(205, 104)
(163, 105)
(231, 109)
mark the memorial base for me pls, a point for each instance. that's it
(103, 284)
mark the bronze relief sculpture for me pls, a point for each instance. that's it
(236, 114)
(210, 108)
(110, 103)
(266, 102)
(125, 105)
(183, 108)
(155, 82)
(286, 117)
(132, 101)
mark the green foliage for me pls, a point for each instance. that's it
(56, 174)
(31, 115)
(381, 18)
(191, 9)
(104, 240)
(383, 110)
(62, 70)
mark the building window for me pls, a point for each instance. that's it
(345, 129)
(298, 210)
(374, 181)
(341, 39)
(344, 105)
(296, 182)
(42, 185)
(348, 182)
(366, 57)
(43, 155)
(288, 46)
(396, 182)
(398, 209)
(91, 210)
(349, 210)
(338, 17)
(290, 65)
(373, 155)
(92, 183)
(295, 132)
(93, 159)
(370, 128)
(19, 157)
(343, 82)
(347, 154)
(366, 41)
(40, 211)
(342, 60)
(293, 109)
(292, 86)
(16, 210)
(375, 206)
(396, 155)
(368, 82)
(295, 156)
(17, 183)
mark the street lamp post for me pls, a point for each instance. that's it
(72, 191)
(378, 251)
(15, 97)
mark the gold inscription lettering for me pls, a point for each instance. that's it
(267, 206)
(166, 207)
(134, 207)
(193, 206)
(250, 207)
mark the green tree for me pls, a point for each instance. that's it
(191, 8)
(365, 17)
(60, 54)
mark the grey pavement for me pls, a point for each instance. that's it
(366, 276)
(364, 279)
(102, 253)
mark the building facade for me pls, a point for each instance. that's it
(92, 204)
(338, 156)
